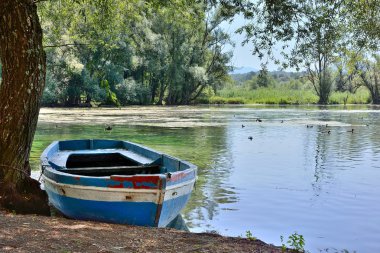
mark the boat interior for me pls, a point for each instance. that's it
(106, 165)
(99, 158)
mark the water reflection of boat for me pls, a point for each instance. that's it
(116, 181)
(178, 223)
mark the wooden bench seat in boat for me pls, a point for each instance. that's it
(113, 170)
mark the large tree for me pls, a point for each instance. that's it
(23, 79)
(309, 34)
(368, 70)
(365, 34)
(165, 55)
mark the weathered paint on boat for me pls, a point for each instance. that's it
(141, 199)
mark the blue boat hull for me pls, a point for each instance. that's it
(134, 213)
(171, 208)
(122, 212)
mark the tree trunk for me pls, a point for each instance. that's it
(162, 93)
(23, 69)
(375, 95)
(325, 84)
(154, 85)
(373, 85)
(88, 99)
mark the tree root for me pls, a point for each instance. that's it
(27, 199)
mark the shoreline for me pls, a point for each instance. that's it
(31, 233)
(213, 104)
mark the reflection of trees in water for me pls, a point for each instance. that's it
(320, 157)
(372, 136)
(316, 148)
(211, 191)
(340, 150)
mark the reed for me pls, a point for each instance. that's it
(282, 95)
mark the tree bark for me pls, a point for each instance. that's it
(23, 69)
(372, 84)
(162, 93)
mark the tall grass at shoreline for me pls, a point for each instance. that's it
(282, 95)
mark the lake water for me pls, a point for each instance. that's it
(322, 182)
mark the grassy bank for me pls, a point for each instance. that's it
(241, 95)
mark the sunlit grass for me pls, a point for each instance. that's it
(241, 95)
(361, 96)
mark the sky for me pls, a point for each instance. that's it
(243, 54)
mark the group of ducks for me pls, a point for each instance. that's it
(257, 120)
(109, 128)
(307, 126)
(329, 131)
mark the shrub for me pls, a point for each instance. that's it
(129, 92)
(217, 100)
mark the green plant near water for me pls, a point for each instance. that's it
(295, 242)
(250, 236)
(283, 246)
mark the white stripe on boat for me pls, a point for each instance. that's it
(178, 190)
(117, 194)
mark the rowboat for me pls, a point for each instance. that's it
(116, 182)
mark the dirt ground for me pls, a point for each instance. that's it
(28, 233)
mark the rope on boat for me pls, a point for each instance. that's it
(42, 171)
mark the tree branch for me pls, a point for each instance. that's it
(66, 45)
(38, 1)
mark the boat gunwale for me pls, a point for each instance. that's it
(164, 178)
(45, 162)
(98, 188)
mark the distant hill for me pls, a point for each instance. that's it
(241, 78)
(279, 76)
(243, 70)
(283, 76)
